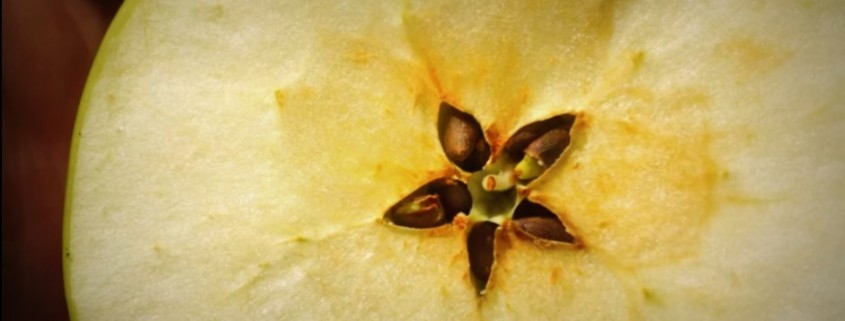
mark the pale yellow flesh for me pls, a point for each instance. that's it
(233, 160)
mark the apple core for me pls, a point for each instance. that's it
(494, 190)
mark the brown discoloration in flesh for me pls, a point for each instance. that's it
(495, 140)
(504, 239)
(461, 223)
(554, 275)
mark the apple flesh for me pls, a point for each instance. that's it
(234, 160)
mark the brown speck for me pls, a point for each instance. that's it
(494, 137)
(504, 240)
(461, 222)
(554, 275)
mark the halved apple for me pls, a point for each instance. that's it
(240, 161)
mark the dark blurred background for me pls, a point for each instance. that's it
(48, 47)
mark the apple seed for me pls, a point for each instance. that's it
(548, 147)
(454, 196)
(537, 221)
(419, 212)
(480, 245)
(491, 188)
(545, 228)
(462, 139)
(538, 145)
(435, 203)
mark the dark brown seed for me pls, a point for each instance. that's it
(548, 147)
(546, 228)
(459, 139)
(480, 247)
(538, 221)
(419, 212)
(435, 203)
(462, 139)
(454, 196)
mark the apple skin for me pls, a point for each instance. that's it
(48, 48)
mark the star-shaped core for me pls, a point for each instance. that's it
(493, 191)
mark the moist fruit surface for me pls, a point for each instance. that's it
(291, 160)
